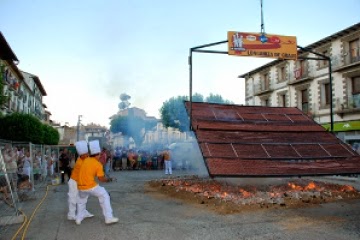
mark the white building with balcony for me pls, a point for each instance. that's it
(23, 91)
(305, 83)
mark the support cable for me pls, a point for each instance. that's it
(262, 19)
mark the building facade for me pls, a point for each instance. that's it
(305, 83)
(21, 92)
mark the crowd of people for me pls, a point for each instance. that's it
(19, 167)
(136, 159)
(21, 164)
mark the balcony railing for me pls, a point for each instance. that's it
(348, 58)
(353, 103)
(262, 88)
(300, 73)
(20, 93)
(353, 56)
(13, 106)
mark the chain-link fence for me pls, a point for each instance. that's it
(24, 168)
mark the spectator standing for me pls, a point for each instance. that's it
(50, 162)
(167, 161)
(103, 160)
(26, 164)
(108, 163)
(132, 159)
(44, 167)
(10, 159)
(90, 169)
(4, 187)
(37, 165)
(64, 161)
(117, 156)
(124, 159)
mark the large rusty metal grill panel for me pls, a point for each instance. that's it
(257, 141)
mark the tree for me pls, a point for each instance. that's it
(216, 98)
(51, 136)
(197, 97)
(130, 126)
(173, 112)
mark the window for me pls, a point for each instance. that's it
(282, 100)
(282, 73)
(305, 101)
(267, 102)
(301, 70)
(355, 82)
(324, 63)
(325, 92)
(354, 51)
(266, 81)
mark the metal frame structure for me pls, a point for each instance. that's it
(199, 50)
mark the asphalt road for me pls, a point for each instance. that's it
(143, 216)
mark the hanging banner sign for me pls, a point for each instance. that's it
(262, 45)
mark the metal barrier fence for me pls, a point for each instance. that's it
(24, 168)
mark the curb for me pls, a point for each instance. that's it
(8, 220)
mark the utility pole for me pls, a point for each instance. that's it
(78, 128)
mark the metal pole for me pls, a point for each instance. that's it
(190, 86)
(78, 128)
(210, 51)
(209, 44)
(194, 49)
(327, 58)
(331, 98)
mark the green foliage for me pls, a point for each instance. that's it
(173, 112)
(130, 126)
(150, 124)
(197, 97)
(51, 136)
(27, 128)
(216, 98)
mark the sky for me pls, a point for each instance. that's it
(87, 52)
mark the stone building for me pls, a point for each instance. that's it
(305, 83)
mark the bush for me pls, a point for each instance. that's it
(27, 128)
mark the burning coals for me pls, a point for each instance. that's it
(294, 192)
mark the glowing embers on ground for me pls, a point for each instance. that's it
(294, 192)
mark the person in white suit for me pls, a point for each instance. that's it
(90, 169)
(73, 194)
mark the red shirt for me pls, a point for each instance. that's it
(103, 158)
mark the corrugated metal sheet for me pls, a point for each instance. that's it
(267, 141)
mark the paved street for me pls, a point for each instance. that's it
(145, 216)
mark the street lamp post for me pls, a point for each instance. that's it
(78, 128)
